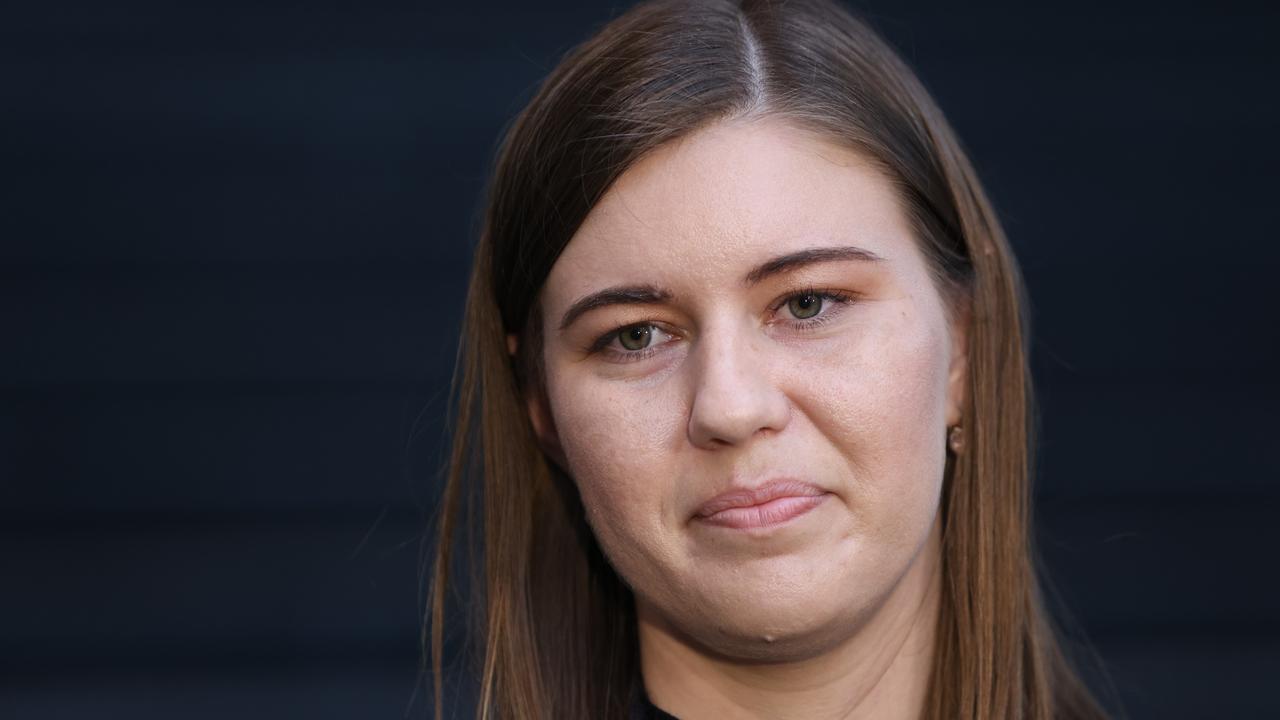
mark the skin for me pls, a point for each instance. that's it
(829, 614)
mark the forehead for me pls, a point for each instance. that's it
(702, 209)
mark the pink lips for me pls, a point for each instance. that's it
(770, 504)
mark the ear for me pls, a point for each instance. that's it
(539, 411)
(958, 374)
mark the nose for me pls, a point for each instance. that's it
(734, 397)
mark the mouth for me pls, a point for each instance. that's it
(767, 506)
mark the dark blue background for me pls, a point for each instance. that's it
(233, 243)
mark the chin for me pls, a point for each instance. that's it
(792, 640)
(785, 625)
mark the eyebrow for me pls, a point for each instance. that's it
(812, 256)
(654, 295)
(629, 295)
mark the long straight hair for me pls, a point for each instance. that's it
(554, 635)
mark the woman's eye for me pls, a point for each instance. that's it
(633, 342)
(809, 309)
(636, 337)
(815, 307)
(805, 306)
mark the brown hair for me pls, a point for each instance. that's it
(556, 633)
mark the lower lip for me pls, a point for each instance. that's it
(767, 514)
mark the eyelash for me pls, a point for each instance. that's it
(837, 299)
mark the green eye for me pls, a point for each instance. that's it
(805, 306)
(635, 337)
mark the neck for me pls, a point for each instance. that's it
(880, 671)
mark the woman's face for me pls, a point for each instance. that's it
(749, 376)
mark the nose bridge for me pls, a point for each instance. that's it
(734, 392)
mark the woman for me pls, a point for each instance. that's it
(743, 399)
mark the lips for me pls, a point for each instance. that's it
(770, 504)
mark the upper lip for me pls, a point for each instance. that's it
(740, 497)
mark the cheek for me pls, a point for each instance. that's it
(620, 450)
(879, 397)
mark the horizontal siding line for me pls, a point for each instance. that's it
(1216, 634)
(342, 265)
(271, 655)
(214, 387)
(1247, 501)
(88, 524)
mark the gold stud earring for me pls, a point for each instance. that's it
(955, 439)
